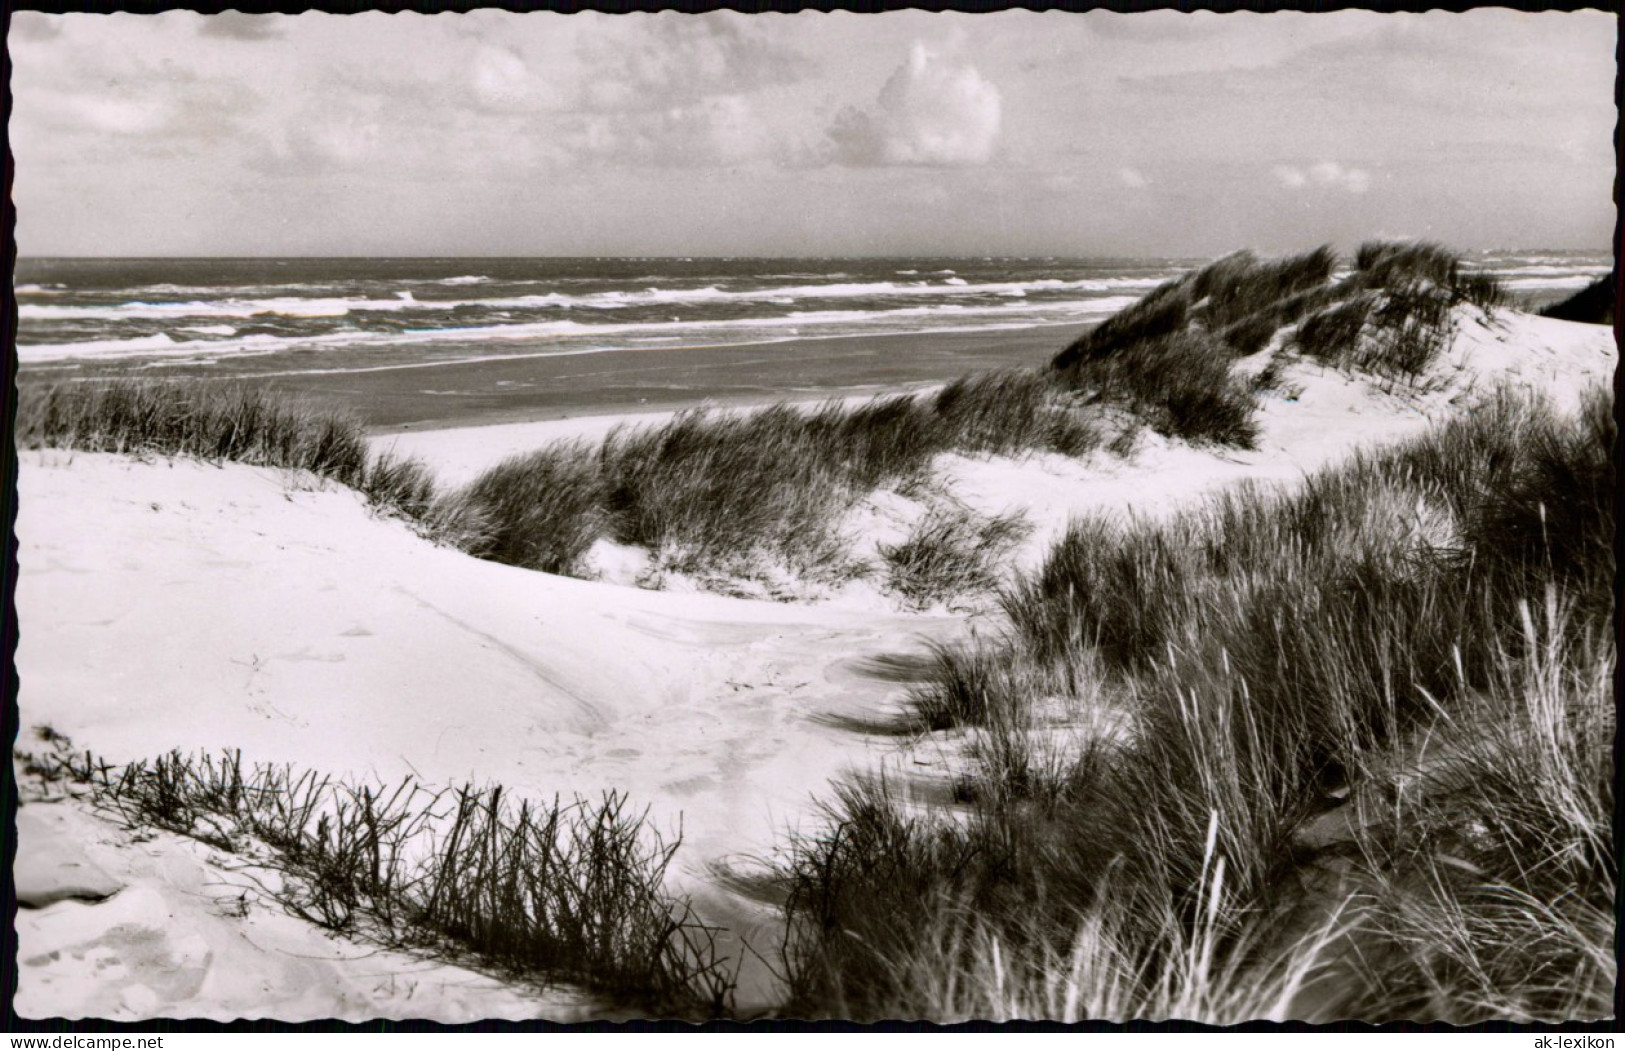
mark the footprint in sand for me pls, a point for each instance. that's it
(50, 867)
(305, 654)
(127, 951)
(690, 786)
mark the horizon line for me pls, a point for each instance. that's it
(21, 257)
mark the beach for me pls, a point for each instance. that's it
(645, 380)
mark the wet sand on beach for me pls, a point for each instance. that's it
(543, 388)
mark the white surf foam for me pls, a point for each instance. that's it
(814, 323)
(318, 307)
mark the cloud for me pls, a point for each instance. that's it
(28, 25)
(1326, 174)
(714, 131)
(329, 134)
(1132, 178)
(933, 112)
(147, 109)
(677, 60)
(677, 91)
(1330, 173)
(318, 144)
(234, 25)
(1291, 178)
(119, 115)
(501, 81)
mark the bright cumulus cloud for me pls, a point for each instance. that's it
(932, 112)
(119, 116)
(1328, 174)
(501, 82)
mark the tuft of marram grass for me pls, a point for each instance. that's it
(540, 510)
(1332, 335)
(400, 485)
(1592, 305)
(721, 491)
(1239, 299)
(1383, 264)
(1180, 384)
(951, 553)
(228, 422)
(214, 422)
(1396, 333)
(1491, 884)
(560, 891)
(1237, 292)
(1167, 355)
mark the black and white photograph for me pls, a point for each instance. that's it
(1064, 516)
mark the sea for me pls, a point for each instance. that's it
(313, 316)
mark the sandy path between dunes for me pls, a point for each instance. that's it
(180, 605)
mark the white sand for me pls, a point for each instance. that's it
(189, 933)
(199, 607)
(179, 605)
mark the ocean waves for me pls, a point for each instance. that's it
(569, 336)
(336, 314)
(1547, 284)
(614, 299)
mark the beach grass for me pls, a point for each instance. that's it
(569, 891)
(734, 491)
(1180, 384)
(1592, 305)
(213, 422)
(1239, 299)
(1167, 357)
(951, 552)
(708, 493)
(231, 422)
(1366, 770)
(541, 510)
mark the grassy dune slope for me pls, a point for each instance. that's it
(1592, 305)
(1367, 772)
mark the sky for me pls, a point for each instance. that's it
(906, 133)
